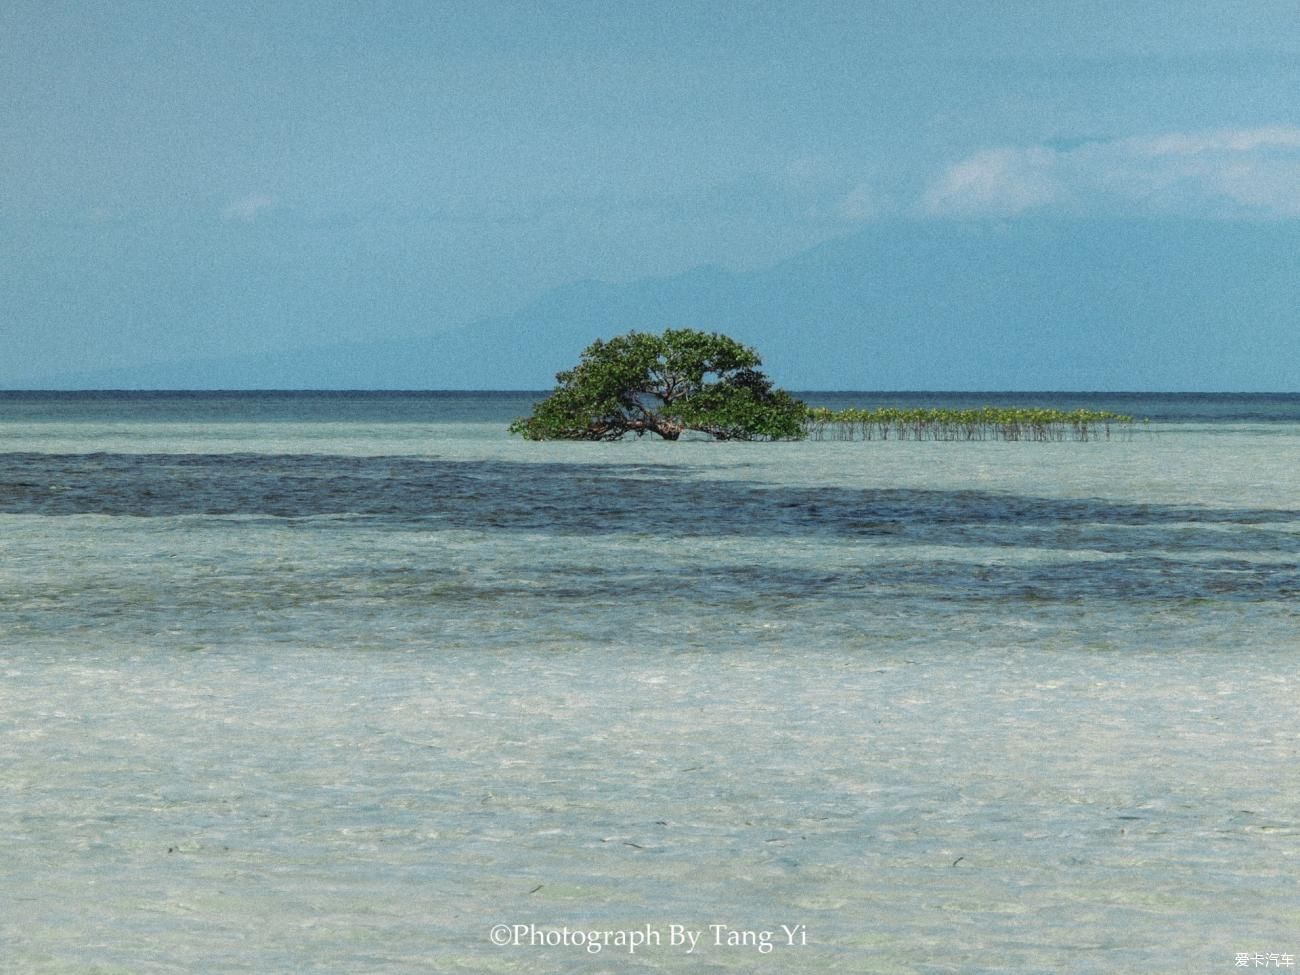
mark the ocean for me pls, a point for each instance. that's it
(358, 683)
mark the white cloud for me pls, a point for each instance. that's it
(997, 181)
(1224, 140)
(1224, 173)
(247, 209)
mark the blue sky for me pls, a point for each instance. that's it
(204, 179)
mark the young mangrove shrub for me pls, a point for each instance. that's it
(985, 423)
(665, 384)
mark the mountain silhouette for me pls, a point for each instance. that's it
(984, 305)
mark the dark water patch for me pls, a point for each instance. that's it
(933, 582)
(551, 598)
(641, 499)
(927, 584)
(1056, 550)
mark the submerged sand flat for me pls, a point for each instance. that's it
(341, 694)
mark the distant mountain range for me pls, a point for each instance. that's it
(1016, 305)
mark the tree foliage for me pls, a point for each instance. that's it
(665, 384)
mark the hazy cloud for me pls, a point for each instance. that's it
(247, 209)
(859, 204)
(1222, 173)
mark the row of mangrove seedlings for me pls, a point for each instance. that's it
(984, 423)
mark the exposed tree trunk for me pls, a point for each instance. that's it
(668, 429)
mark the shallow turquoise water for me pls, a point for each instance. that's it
(335, 688)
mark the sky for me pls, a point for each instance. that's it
(194, 179)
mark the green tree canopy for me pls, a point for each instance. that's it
(665, 384)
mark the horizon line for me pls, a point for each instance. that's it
(192, 391)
